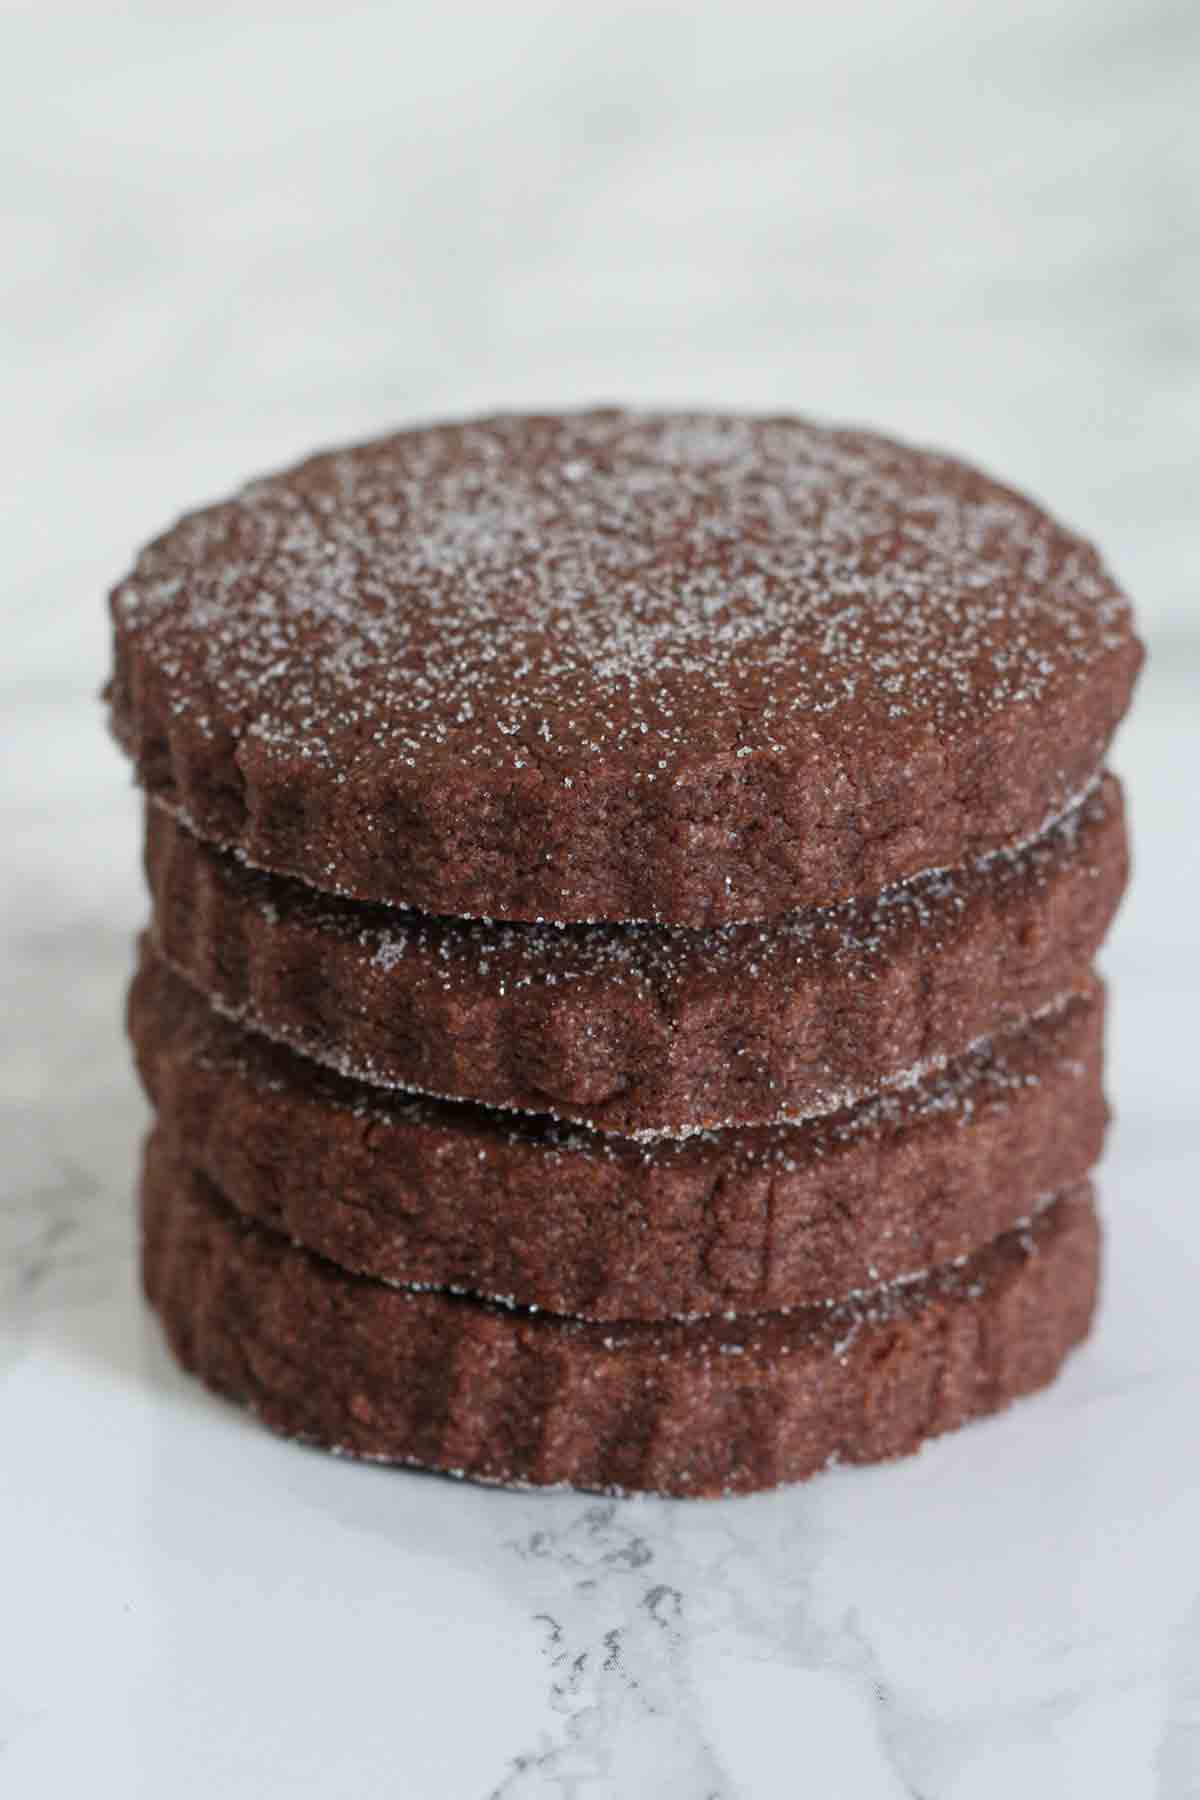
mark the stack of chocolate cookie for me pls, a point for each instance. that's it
(619, 1000)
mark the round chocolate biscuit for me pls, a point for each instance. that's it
(711, 1407)
(685, 667)
(544, 1215)
(646, 1029)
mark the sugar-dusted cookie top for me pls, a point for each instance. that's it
(688, 667)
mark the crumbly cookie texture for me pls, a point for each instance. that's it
(549, 1216)
(693, 668)
(706, 1408)
(645, 1029)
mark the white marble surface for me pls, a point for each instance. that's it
(237, 232)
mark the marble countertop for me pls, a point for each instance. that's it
(240, 232)
(192, 1607)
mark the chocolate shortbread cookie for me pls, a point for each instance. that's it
(527, 1211)
(711, 1407)
(693, 668)
(644, 1028)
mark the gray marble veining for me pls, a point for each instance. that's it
(238, 233)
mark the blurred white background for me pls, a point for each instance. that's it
(234, 232)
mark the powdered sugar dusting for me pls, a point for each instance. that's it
(937, 1083)
(525, 593)
(654, 961)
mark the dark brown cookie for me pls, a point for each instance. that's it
(642, 1029)
(712, 1407)
(606, 665)
(455, 1196)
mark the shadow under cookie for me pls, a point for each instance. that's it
(546, 1215)
(641, 1029)
(712, 1407)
